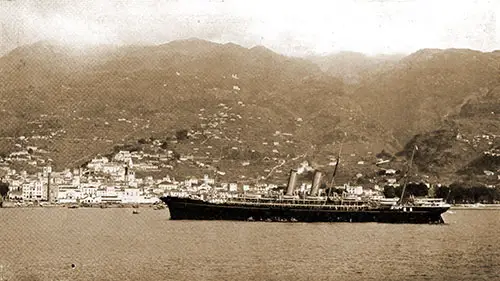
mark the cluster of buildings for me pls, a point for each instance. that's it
(108, 181)
(100, 181)
(30, 155)
(114, 181)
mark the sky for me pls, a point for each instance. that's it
(292, 27)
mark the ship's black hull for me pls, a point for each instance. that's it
(193, 209)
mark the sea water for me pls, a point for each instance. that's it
(115, 244)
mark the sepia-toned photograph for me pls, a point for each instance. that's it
(249, 140)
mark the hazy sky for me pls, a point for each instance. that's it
(293, 27)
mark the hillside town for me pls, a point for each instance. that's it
(114, 181)
(214, 155)
(124, 177)
(100, 181)
(141, 173)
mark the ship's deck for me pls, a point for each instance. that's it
(299, 205)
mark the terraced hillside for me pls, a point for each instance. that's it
(255, 107)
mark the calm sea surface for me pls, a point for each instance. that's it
(114, 244)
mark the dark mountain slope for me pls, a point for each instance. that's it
(110, 95)
(427, 86)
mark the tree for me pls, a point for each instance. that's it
(389, 191)
(164, 145)
(467, 193)
(417, 189)
(4, 188)
(181, 134)
(442, 192)
(176, 155)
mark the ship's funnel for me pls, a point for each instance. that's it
(291, 182)
(316, 182)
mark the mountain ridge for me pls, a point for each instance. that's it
(164, 87)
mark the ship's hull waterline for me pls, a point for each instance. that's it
(194, 209)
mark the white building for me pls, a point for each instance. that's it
(130, 195)
(233, 187)
(208, 180)
(34, 190)
(69, 194)
(167, 186)
(96, 163)
(355, 190)
(146, 166)
(89, 190)
(123, 156)
(112, 169)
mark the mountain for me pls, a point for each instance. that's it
(466, 145)
(251, 104)
(353, 67)
(77, 103)
(425, 87)
(444, 101)
(44, 63)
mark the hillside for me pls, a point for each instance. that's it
(444, 101)
(425, 87)
(76, 105)
(255, 107)
(465, 147)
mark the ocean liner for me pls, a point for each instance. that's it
(306, 208)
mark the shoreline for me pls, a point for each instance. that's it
(159, 206)
(475, 207)
(9, 205)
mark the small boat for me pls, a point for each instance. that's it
(135, 212)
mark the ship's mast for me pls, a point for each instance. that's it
(336, 166)
(335, 171)
(406, 174)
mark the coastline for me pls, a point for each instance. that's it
(8, 205)
(156, 206)
(475, 207)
